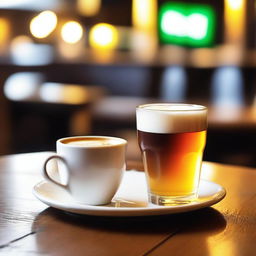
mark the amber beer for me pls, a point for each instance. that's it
(172, 138)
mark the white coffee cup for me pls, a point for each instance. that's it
(92, 167)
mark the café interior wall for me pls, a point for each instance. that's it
(129, 79)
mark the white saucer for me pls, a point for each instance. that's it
(130, 200)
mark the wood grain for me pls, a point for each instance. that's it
(28, 227)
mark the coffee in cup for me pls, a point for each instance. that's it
(91, 167)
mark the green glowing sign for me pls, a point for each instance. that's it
(187, 24)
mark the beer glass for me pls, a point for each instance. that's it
(172, 139)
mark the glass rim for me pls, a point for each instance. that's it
(194, 107)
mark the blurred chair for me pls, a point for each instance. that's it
(42, 112)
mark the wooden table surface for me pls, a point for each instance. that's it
(28, 227)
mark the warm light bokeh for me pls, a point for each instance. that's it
(43, 24)
(144, 14)
(68, 94)
(4, 29)
(4, 35)
(88, 7)
(235, 21)
(103, 36)
(72, 32)
(235, 4)
(144, 37)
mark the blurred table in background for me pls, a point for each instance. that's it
(232, 135)
(43, 112)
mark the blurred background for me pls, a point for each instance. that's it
(80, 67)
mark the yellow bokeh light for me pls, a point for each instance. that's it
(43, 24)
(235, 4)
(72, 32)
(4, 29)
(88, 7)
(104, 36)
(144, 14)
(234, 15)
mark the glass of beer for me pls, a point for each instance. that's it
(172, 139)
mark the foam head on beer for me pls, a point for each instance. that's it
(171, 118)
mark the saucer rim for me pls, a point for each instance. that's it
(150, 209)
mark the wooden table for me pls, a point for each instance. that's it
(28, 227)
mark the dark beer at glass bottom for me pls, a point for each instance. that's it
(171, 155)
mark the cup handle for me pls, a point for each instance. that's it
(48, 177)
